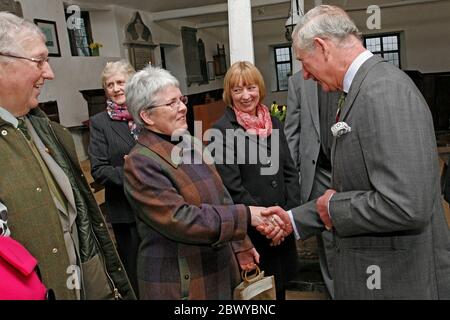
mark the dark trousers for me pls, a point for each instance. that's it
(128, 241)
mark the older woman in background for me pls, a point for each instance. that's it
(112, 135)
(244, 91)
(190, 229)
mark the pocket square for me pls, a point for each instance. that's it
(340, 128)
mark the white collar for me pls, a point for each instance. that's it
(8, 117)
(354, 67)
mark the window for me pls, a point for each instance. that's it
(283, 64)
(386, 46)
(80, 35)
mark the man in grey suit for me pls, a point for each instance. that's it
(310, 114)
(391, 237)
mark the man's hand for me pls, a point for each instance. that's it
(248, 259)
(271, 227)
(322, 208)
(278, 213)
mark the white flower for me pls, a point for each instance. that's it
(340, 128)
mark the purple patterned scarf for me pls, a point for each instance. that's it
(120, 113)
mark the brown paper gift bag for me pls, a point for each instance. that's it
(255, 287)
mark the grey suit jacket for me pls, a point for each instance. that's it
(387, 211)
(302, 129)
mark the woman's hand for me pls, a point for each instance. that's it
(248, 259)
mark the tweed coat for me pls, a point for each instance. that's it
(246, 184)
(33, 216)
(186, 221)
(391, 237)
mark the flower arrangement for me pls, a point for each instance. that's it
(278, 111)
(95, 45)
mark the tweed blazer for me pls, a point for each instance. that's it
(392, 240)
(186, 221)
(109, 142)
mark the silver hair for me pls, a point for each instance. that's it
(141, 89)
(122, 67)
(325, 22)
(14, 31)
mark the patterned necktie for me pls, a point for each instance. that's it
(340, 105)
(23, 127)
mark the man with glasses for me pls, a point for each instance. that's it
(52, 211)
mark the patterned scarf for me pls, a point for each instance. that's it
(260, 125)
(120, 113)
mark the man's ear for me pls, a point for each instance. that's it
(146, 117)
(323, 47)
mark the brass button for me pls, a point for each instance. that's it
(119, 269)
(101, 224)
(47, 150)
(4, 133)
(55, 250)
(38, 189)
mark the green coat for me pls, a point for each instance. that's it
(33, 217)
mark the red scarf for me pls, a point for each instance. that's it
(260, 125)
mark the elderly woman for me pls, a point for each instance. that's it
(112, 135)
(272, 180)
(191, 232)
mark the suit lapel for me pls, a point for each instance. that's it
(354, 91)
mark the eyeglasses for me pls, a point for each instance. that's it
(40, 62)
(174, 105)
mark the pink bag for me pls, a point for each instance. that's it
(19, 280)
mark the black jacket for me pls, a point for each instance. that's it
(109, 142)
(248, 186)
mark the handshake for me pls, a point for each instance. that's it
(272, 222)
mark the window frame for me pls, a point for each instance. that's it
(382, 52)
(282, 62)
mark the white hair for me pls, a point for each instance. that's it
(142, 87)
(122, 67)
(14, 31)
(325, 22)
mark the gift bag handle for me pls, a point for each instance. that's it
(253, 277)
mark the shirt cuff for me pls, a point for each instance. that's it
(328, 208)
(291, 217)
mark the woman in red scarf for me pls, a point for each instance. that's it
(259, 172)
(112, 135)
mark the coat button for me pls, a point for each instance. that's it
(55, 250)
(101, 224)
(314, 161)
(4, 133)
(47, 150)
(38, 189)
(186, 276)
(119, 269)
(274, 184)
